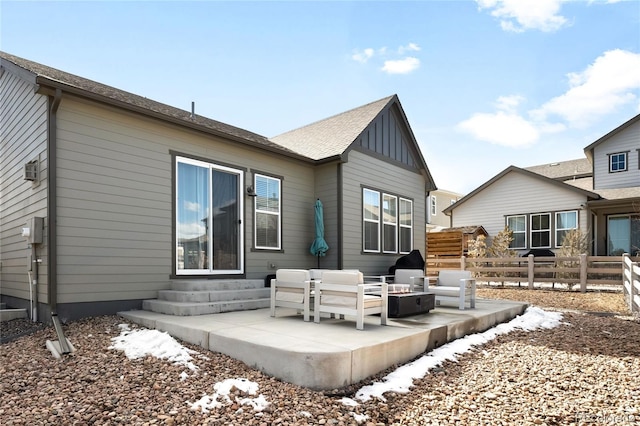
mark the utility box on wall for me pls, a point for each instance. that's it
(33, 230)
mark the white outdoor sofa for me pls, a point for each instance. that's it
(292, 289)
(449, 284)
(344, 292)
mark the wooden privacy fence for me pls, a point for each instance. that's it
(631, 283)
(585, 271)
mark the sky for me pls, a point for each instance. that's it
(139, 343)
(484, 84)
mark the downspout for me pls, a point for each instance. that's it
(52, 243)
(340, 218)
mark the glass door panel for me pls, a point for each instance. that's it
(226, 220)
(192, 218)
(618, 235)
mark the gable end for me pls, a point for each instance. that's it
(387, 137)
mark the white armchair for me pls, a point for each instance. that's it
(453, 284)
(344, 293)
(292, 289)
(413, 278)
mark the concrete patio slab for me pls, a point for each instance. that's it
(330, 354)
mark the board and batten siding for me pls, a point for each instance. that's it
(360, 170)
(115, 201)
(515, 194)
(23, 138)
(627, 140)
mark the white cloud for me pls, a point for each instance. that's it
(363, 56)
(522, 15)
(411, 47)
(611, 81)
(391, 65)
(505, 128)
(401, 66)
(509, 103)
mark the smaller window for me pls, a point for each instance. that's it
(518, 226)
(618, 162)
(565, 221)
(267, 213)
(390, 223)
(540, 230)
(433, 205)
(406, 225)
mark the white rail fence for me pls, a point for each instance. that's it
(579, 272)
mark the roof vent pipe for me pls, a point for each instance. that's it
(193, 110)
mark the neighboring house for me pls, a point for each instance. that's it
(437, 201)
(135, 193)
(599, 195)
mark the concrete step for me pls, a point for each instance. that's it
(215, 285)
(11, 314)
(202, 308)
(213, 296)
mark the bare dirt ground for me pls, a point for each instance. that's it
(582, 372)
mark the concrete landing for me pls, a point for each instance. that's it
(333, 353)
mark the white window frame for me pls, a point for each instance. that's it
(393, 223)
(366, 220)
(519, 232)
(434, 205)
(558, 243)
(539, 231)
(625, 155)
(402, 225)
(257, 210)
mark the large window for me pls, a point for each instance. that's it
(540, 230)
(565, 222)
(406, 225)
(371, 220)
(390, 223)
(387, 222)
(618, 162)
(518, 227)
(623, 235)
(267, 213)
(208, 207)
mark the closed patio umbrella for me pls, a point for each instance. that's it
(319, 246)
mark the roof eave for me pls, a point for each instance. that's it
(47, 86)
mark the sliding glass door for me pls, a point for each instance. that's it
(209, 231)
(623, 235)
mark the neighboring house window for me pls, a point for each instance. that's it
(452, 202)
(623, 235)
(387, 223)
(518, 226)
(618, 162)
(390, 223)
(267, 212)
(371, 219)
(565, 222)
(540, 230)
(406, 225)
(433, 205)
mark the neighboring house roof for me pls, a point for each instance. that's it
(607, 193)
(470, 229)
(564, 170)
(514, 169)
(588, 151)
(312, 141)
(44, 75)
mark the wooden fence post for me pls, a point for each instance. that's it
(463, 263)
(530, 270)
(583, 273)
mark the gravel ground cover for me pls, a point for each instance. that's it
(583, 372)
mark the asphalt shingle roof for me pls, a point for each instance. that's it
(110, 94)
(563, 170)
(312, 141)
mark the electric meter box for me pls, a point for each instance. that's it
(35, 227)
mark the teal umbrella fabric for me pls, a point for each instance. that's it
(319, 246)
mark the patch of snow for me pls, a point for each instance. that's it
(221, 396)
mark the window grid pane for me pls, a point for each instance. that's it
(371, 220)
(565, 221)
(406, 225)
(541, 230)
(267, 213)
(517, 225)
